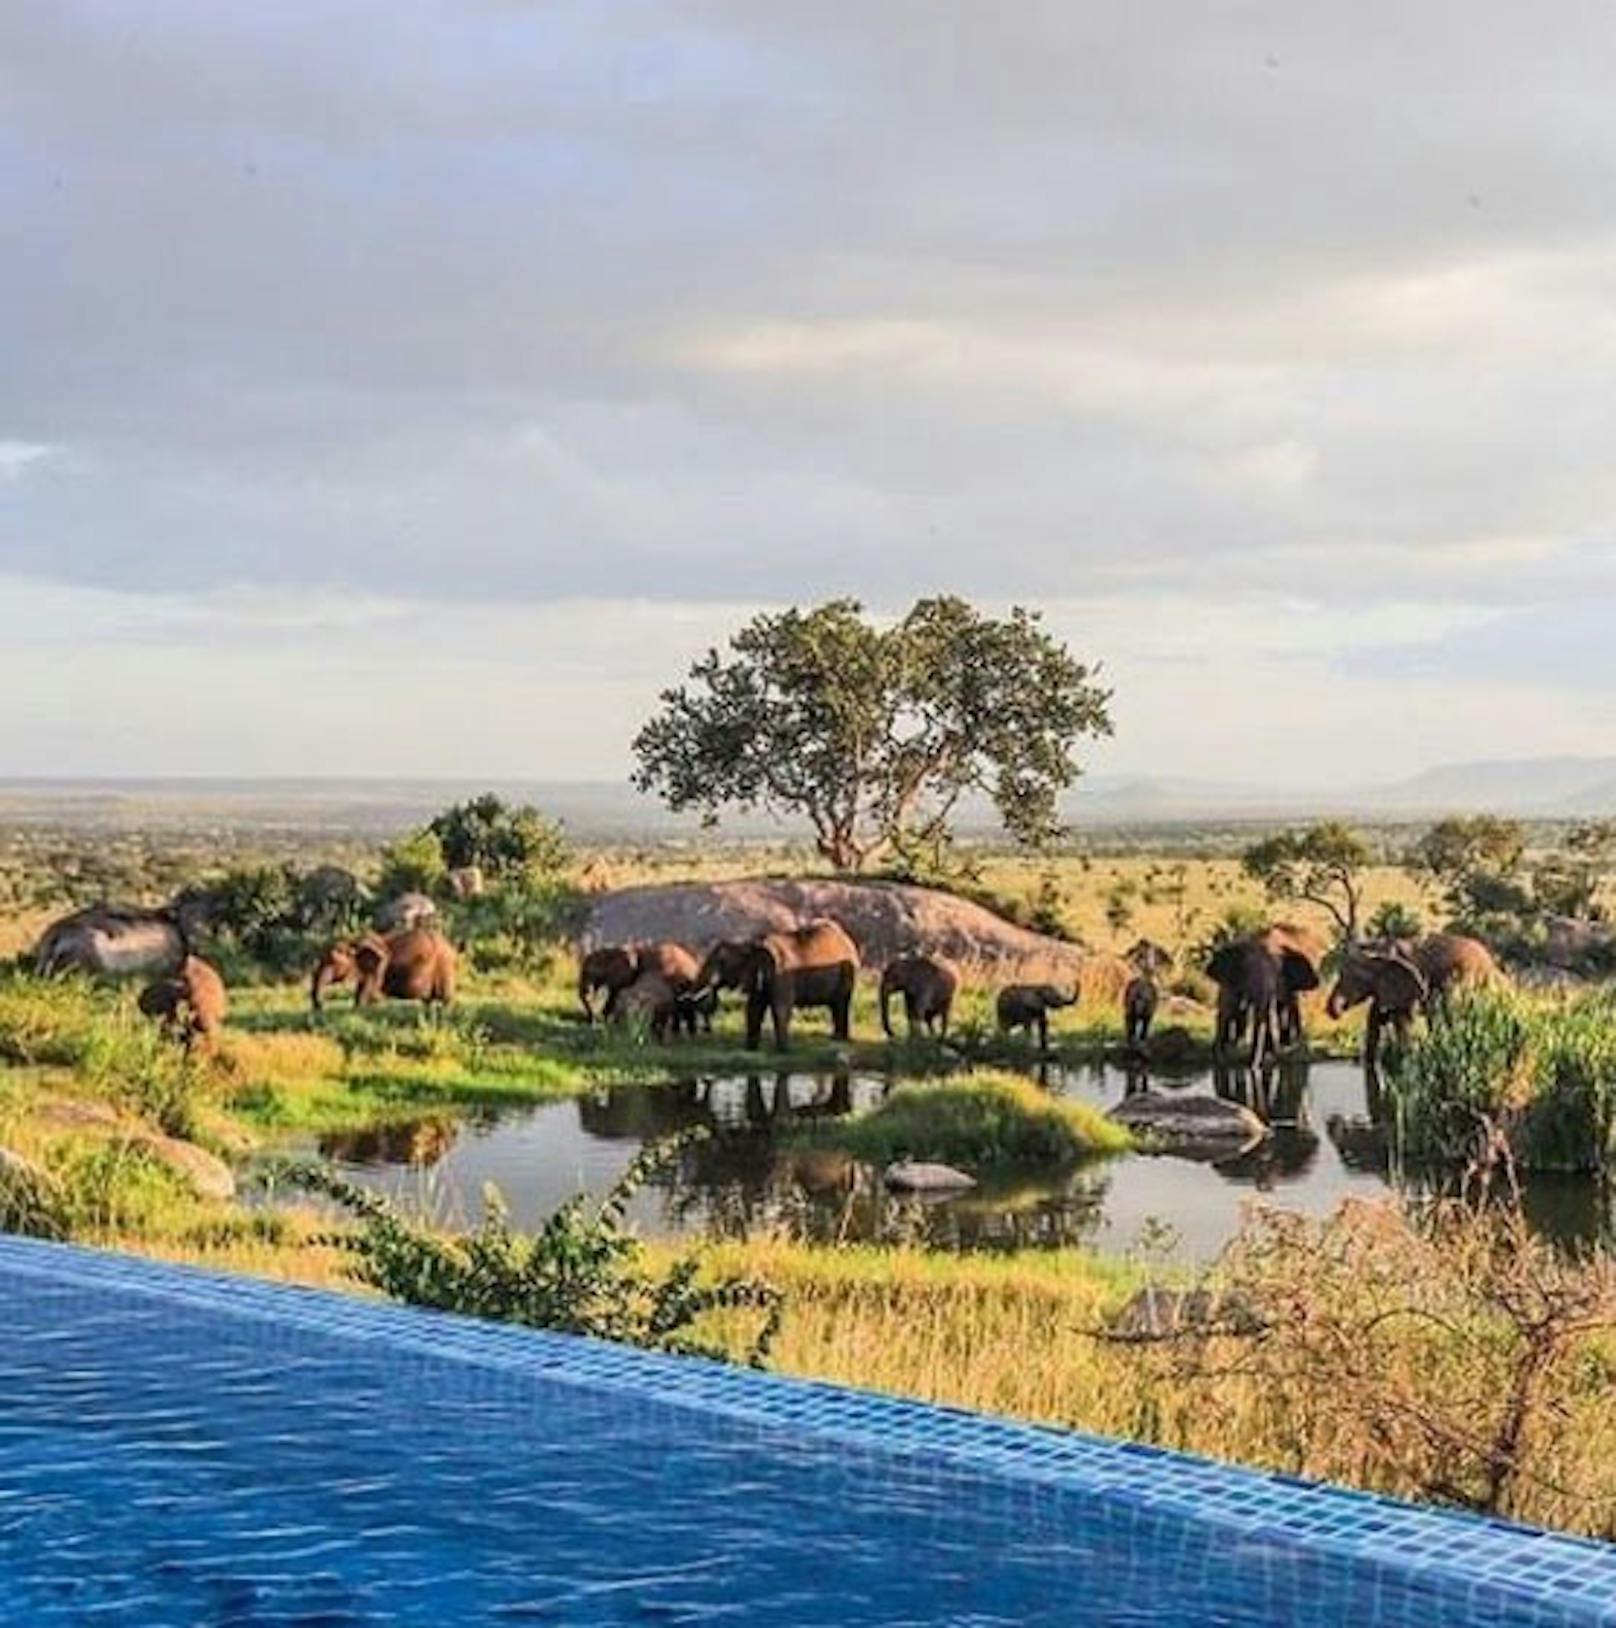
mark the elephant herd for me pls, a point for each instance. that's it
(1260, 977)
(813, 965)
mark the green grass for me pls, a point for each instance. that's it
(1540, 1074)
(979, 1122)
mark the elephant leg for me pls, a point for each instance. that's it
(756, 1004)
(841, 1015)
(782, 1022)
(1372, 1036)
(911, 1012)
(1043, 1031)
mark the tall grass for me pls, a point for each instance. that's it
(1540, 1077)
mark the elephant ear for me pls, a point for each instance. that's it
(1398, 984)
(369, 956)
(1297, 971)
(1225, 964)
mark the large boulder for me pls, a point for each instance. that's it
(1193, 1121)
(918, 1176)
(885, 919)
(29, 1197)
(111, 941)
(206, 1175)
(1572, 940)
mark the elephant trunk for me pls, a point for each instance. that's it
(586, 988)
(325, 975)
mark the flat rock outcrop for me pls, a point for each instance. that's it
(1190, 1120)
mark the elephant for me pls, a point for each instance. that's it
(1293, 955)
(614, 968)
(812, 965)
(406, 912)
(1139, 1008)
(1300, 952)
(650, 1000)
(928, 988)
(1027, 1006)
(415, 965)
(1250, 986)
(1149, 958)
(1400, 977)
(189, 1005)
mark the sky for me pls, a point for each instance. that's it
(416, 388)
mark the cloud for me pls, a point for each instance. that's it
(17, 457)
(1280, 316)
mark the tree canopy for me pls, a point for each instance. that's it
(1322, 865)
(874, 734)
(515, 845)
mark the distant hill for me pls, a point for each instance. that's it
(1534, 788)
(1546, 787)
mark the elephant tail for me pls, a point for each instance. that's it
(886, 1008)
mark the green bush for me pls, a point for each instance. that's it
(583, 1272)
(980, 1120)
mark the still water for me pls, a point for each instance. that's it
(1328, 1142)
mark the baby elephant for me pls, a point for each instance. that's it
(189, 1005)
(1027, 1007)
(1139, 1008)
(928, 988)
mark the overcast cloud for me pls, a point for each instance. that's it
(389, 372)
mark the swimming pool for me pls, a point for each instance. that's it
(178, 1447)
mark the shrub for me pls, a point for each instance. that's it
(583, 1272)
(980, 1120)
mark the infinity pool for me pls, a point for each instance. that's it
(180, 1448)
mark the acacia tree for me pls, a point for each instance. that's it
(1323, 864)
(874, 734)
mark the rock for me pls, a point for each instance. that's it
(74, 1114)
(467, 882)
(885, 919)
(205, 1175)
(28, 1196)
(913, 1176)
(1155, 1313)
(111, 941)
(1571, 940)
(1193, 1120)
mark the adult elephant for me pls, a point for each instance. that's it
(812, 965)
(928, 988)
(1027, 1007)
(189, 1005)
(1401, 977)
(616, 967)
(1261, 978)
(415, 965)
(1300, 952)
(1249, 982)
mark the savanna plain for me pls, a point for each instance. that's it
(1429, 1337)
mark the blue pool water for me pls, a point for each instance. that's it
(179, 1448)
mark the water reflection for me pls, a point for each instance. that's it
(1328, 1141)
